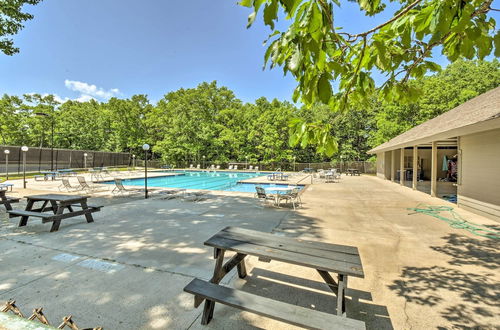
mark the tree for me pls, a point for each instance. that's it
(11, 22)
(317, 52)
(458, 83)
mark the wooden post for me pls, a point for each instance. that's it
(402, 167)
(393, 161)
(415, 167)
(434, 164)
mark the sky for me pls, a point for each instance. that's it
(98, 49)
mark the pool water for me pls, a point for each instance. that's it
(225, 181)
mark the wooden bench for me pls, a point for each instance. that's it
(277, 310)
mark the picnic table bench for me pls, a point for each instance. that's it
(6, 200)
(323, 257)
(58, 203)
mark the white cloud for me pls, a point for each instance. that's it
(88, 91)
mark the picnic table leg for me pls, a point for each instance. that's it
(208, 309)
(242, 269)
(24, 218)
(88, 216)
(6, 202)
(342, 284)
(56, 223)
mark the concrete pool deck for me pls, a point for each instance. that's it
(127, 270)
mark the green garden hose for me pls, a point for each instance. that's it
(456, 221)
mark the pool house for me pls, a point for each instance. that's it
(455, 156)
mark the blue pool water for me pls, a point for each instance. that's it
(226, 181)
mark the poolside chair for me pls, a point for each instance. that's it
(120, 189)
(67, 186)
(250, 167)
(85, 186)
(235, 167)
(198, 166)
(230, 167)
(263, 196)
(194, 196)
(293, 197)
(191, 166)
(256, 168)
(217, 167)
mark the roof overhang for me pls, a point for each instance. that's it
(482, 126)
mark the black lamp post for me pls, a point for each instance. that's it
(7, 152)
(145, 147)
(51, 138)
(24, 150)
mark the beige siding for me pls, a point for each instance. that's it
(480, 166)
(381, 165)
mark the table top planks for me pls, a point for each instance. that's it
(318, 255)
(56, 197)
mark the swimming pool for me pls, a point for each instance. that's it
(225, 181)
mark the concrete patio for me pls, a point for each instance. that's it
(128, 268)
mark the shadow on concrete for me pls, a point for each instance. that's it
(477, 290)
(316, 295)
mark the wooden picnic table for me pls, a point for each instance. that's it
(322, 257)
(58, 203)
(6, 200)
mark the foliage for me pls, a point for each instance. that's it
(211, 121)
(11, 22)
(320, 54)
(460, 82)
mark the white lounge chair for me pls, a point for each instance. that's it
(230, 167)
(235, 167)
(250, 167)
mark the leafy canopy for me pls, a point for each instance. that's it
(11, 22)
(317, 52)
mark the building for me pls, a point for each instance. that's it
(469, 137)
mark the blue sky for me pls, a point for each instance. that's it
(103, 48)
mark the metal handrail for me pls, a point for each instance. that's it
(310, 175)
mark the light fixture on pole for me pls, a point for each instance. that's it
(133, 162)
(145, 147)
(203, 161)
(85, 160)
(246, 162)
(7, 152)
(24, 150)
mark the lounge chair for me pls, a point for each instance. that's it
(191, 166)
(230, 167)
(263, 196)
(293, 197)
(217, 167)
(67, 186)
(235, 167)
(195, 196)
(120, 189)
(85, 186)
(256, 168)
(250, 167)
(198, 166)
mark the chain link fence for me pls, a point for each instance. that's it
(342, 166)
(42, 159)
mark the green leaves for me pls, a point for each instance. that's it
(312, 134)
(318, 54)
(324, 89)
(11, 22)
